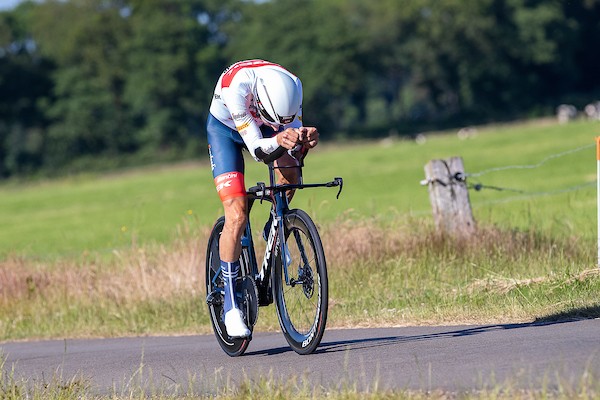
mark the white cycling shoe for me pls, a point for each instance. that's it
(234, 323)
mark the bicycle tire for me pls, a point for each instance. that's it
(301, 307)
(232, 346)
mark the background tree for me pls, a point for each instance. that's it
(82, 81)
(171, 63)
(314, 40)
(86, 108)
(24, 79)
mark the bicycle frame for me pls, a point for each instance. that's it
(276, 281)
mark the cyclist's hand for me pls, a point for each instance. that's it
(309, 136)
(288, 138)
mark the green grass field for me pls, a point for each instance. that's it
(75, 216)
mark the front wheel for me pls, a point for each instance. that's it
(300, 283)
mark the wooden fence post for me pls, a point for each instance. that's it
(449, 196)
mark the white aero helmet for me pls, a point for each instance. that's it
(278, 97)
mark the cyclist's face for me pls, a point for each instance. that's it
(276, 127)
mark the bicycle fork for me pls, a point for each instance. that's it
(276, 234)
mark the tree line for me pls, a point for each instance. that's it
(85, 83)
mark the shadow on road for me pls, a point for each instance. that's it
(589, 312)
(353, 344)
(345, 345)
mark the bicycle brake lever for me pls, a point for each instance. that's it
(263, 189)
(338, 182)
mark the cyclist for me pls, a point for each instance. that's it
(257, 105)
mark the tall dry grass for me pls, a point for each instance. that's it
(404, 266)
(363, 241)
(134, 274)
(145, 289)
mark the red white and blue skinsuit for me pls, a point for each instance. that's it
(234, 124)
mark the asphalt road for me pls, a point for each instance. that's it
(453, 358)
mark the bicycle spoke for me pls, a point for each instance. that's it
(301, 247)
(300, 310)
(301, 302)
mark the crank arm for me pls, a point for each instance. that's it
(214, 299)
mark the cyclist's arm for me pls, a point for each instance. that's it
(238, 106)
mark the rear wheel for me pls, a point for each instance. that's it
(300, 286)
(247, 299)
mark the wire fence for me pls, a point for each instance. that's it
(531, 166)
(523, 193)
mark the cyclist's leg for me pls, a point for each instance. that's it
(287, 175)
(227, 164)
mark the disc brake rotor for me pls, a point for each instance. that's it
(308, 283)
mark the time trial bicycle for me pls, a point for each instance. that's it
(293, 271)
